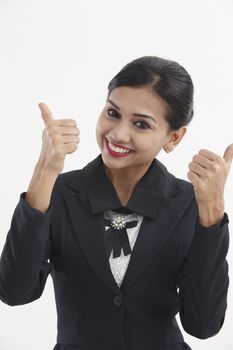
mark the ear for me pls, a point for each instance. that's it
(174, 138)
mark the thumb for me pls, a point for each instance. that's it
(46, 113)
(228, 155)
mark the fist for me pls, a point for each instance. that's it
(208, 173)
(60, 137)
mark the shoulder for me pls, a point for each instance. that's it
(79, 177)
(185, 185)
(67, 177)
(180, 193)
(64, 181)
(175, 185)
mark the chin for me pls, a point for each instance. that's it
(113, 163)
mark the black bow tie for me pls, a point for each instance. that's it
(116, 236)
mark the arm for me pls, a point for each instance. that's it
(203, 282)
(24, 265)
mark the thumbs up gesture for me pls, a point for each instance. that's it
(208, 173)
(60, 137)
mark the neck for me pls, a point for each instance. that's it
(124, 180)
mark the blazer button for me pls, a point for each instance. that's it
(117, 300)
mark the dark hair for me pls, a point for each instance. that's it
(168, 80)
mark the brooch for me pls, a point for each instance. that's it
(118, 222)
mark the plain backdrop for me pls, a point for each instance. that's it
(64, 53)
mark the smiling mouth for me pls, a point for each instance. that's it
(116, 151)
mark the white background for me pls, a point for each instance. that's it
(64, 53)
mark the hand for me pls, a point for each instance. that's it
(208, 174)
(60, 137)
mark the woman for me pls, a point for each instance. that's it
(128, 245)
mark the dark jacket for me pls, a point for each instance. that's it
(177, 265)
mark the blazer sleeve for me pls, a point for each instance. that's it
(24, 261)
(203, 282)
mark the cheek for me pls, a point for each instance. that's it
(102, 125)
(147, 143)
(99, 127)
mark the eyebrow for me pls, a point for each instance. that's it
(136, 114)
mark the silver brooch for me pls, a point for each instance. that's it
(118, 222)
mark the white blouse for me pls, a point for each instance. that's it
(119, 265)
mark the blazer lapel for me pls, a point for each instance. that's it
(90, 232)
(157, 196)
(152, 236)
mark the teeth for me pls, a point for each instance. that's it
(117, 149)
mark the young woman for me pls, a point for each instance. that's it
(128, 245)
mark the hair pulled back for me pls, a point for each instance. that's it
(167, 79)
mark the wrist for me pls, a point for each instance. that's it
(42, 170)
(211, 213)
(41, 175)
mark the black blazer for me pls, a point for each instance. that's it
(177, 265)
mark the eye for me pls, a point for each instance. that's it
(146, 126)
(112, 110)
(141, 124)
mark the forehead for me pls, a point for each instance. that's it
(138, 100)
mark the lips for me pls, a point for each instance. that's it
(114, 153)
(119, 146)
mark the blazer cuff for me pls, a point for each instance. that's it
(221, 223)
(27, 206)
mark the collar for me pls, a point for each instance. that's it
(102, 195)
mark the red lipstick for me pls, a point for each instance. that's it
(114, 153)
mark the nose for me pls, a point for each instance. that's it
(120, 133)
